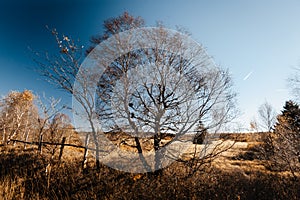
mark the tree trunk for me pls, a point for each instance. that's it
(4, 137)
(84, 160)
(26, 138)
(158, 155)
(141, 156)
(96, 145)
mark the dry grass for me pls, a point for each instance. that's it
(243, 137)
(234, 175)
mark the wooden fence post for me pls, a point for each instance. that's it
(40, 143)
(61, 148)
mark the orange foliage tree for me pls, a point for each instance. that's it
(17, 114)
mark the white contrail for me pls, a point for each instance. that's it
(247, 76)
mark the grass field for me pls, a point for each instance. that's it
(238, 173)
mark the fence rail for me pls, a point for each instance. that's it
(62, 144)
(54, 143)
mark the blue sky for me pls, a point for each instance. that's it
(258, 41)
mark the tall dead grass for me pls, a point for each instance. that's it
(23, 176)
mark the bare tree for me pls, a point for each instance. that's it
(168, 87)
(48, 123)
(267, 116)
(63, 69)
(254, 125)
